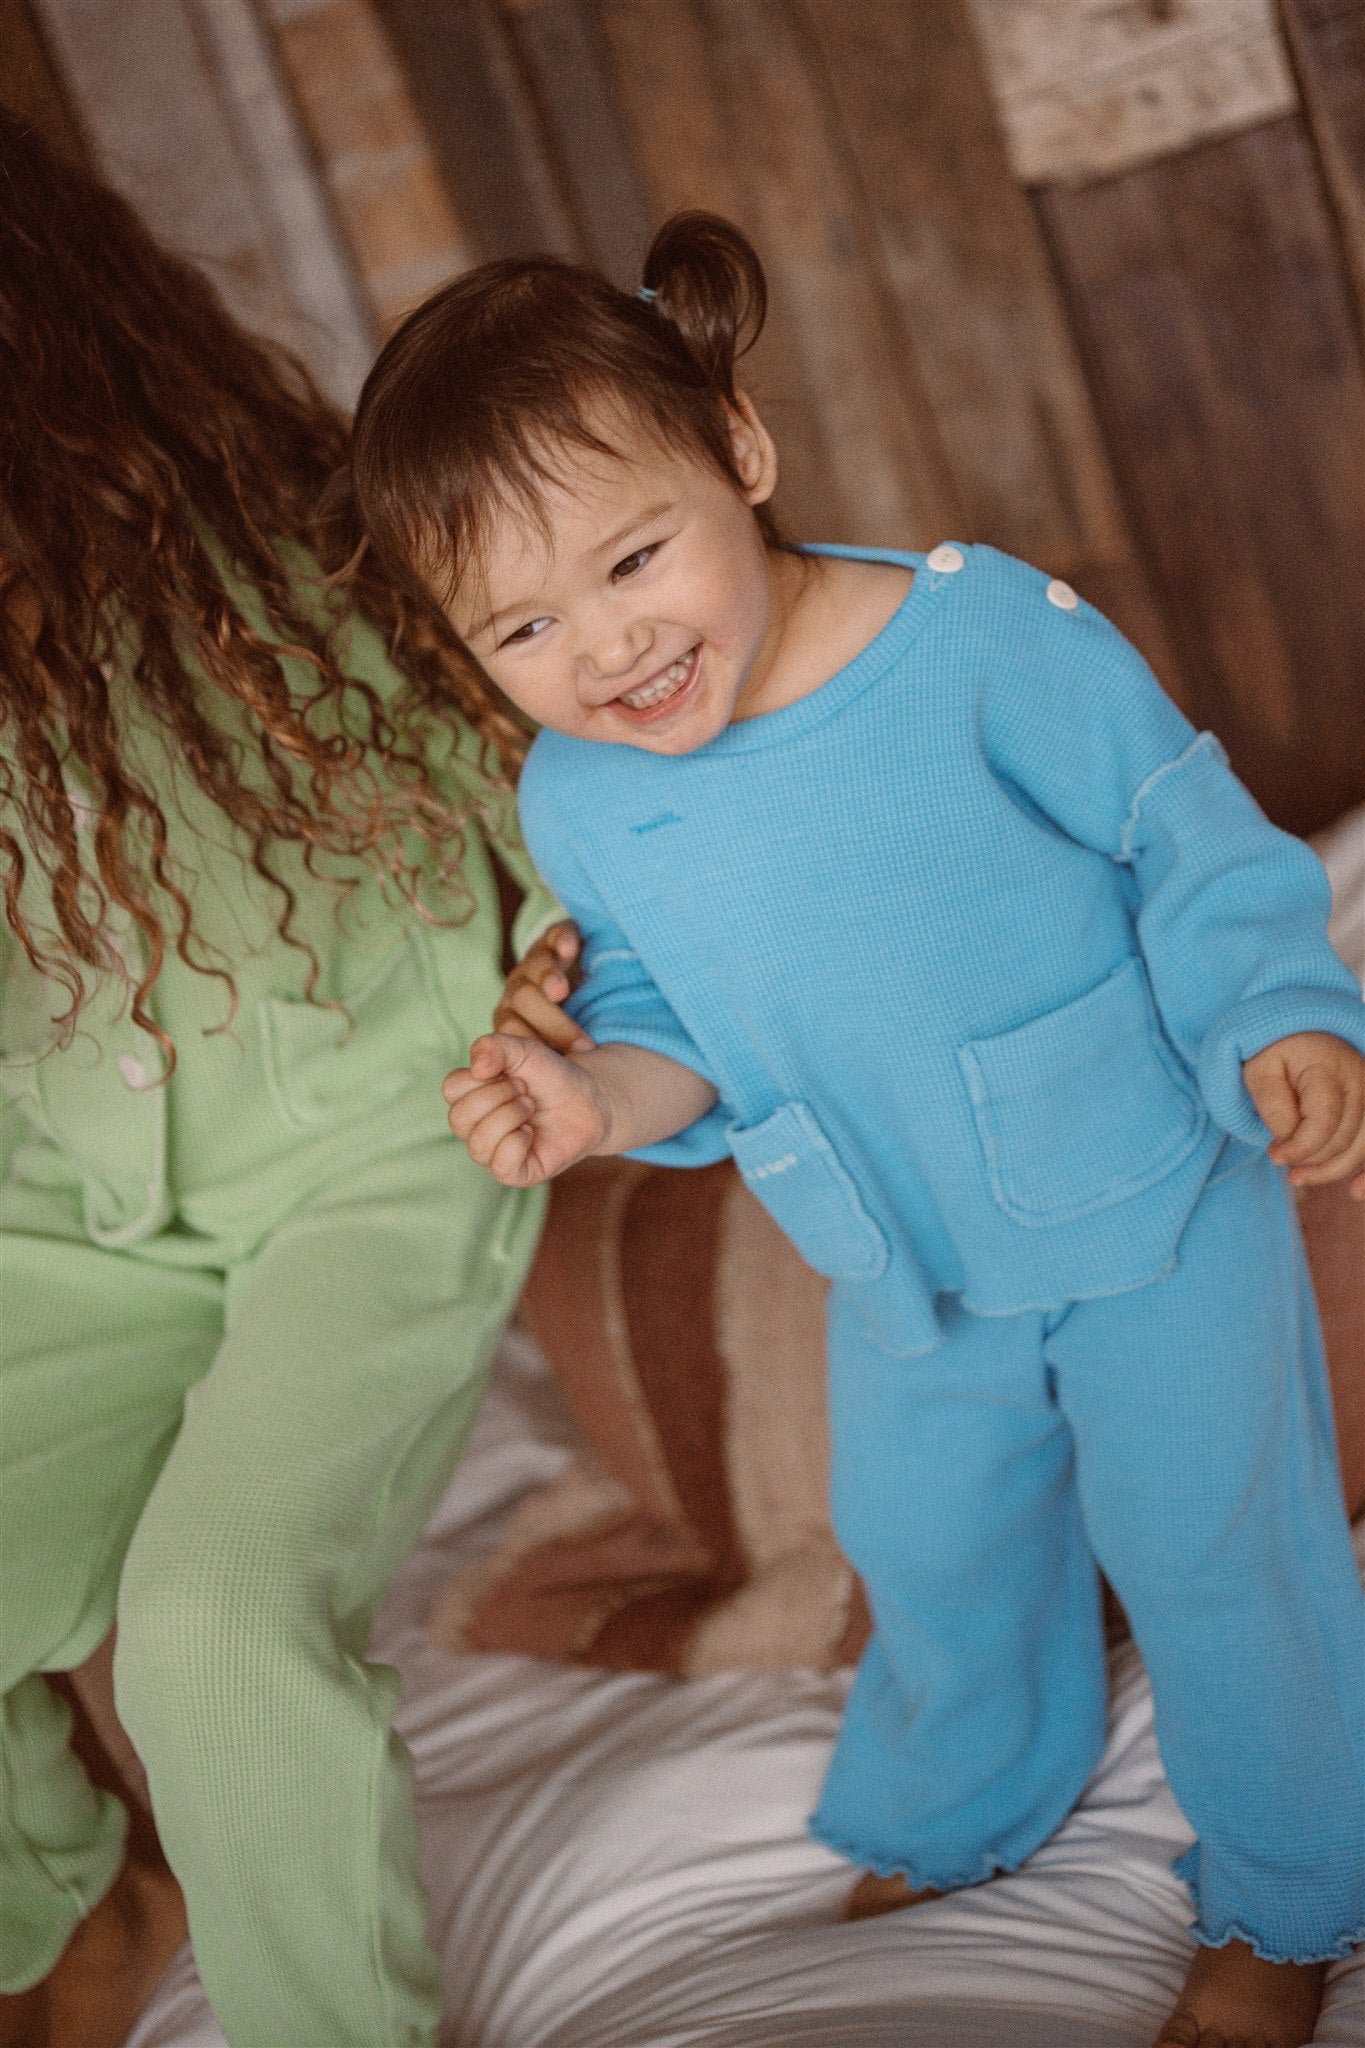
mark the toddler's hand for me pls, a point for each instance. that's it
(1310, 1092)
(524, 1112)
(530, 1003)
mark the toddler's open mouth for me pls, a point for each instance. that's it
(663, 692)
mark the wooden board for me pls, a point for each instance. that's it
(679, 135)
(726, 109)
(971, 289)
(393, 207)
(566, 62)
(1327, 39)
(974, 300)
(1087, 88)
(1220, 347)
(470, 86)
(885, 457)
(679, 131)
(188, 117)
(328, 312)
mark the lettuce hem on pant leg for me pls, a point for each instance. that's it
(1184, 1869)
(986, 1867)
(918, 1880)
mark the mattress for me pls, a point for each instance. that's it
(621, 1861)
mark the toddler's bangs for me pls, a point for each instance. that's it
(477, 398)
(448, 482)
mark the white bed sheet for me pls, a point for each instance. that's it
(622, 1862)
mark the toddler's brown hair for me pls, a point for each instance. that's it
(472, 398)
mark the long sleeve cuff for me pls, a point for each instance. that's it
(1249, 1028)
(651, 1025)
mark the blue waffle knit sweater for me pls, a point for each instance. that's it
(972, 941)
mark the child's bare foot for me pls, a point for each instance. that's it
(1232, 1999)
(872, 1895)
(107, 1971)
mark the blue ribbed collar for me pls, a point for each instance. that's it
(790, 721)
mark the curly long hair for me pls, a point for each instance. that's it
(154, 459)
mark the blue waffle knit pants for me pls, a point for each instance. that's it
(1181, 1435)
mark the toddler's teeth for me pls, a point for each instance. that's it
(663, 685)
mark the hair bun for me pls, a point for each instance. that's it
(708, 282)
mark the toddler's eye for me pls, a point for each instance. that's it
(634, 562)
(526, 632)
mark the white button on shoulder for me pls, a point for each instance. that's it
(1062, 595)
(945, 559)
(132, 1070)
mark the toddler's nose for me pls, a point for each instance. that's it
(611, 655)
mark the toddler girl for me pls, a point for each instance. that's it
(1063, 986)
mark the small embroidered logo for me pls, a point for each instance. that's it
(653, 824)
(773, 1166)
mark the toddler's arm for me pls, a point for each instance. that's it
(1230, 913)
(526, 1113)
(618, 1003)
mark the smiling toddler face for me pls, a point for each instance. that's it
(639, 614)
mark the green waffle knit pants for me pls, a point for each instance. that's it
(231, 1449)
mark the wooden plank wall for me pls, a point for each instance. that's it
(1226, 367)
(1081, 278)
(399, 221)
(1327, 42)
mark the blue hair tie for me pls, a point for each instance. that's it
(647, 295)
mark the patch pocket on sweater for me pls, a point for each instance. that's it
(332, 1063)
(1083, 1107)
(790, 1165)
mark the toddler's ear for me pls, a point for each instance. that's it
(754, 453)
